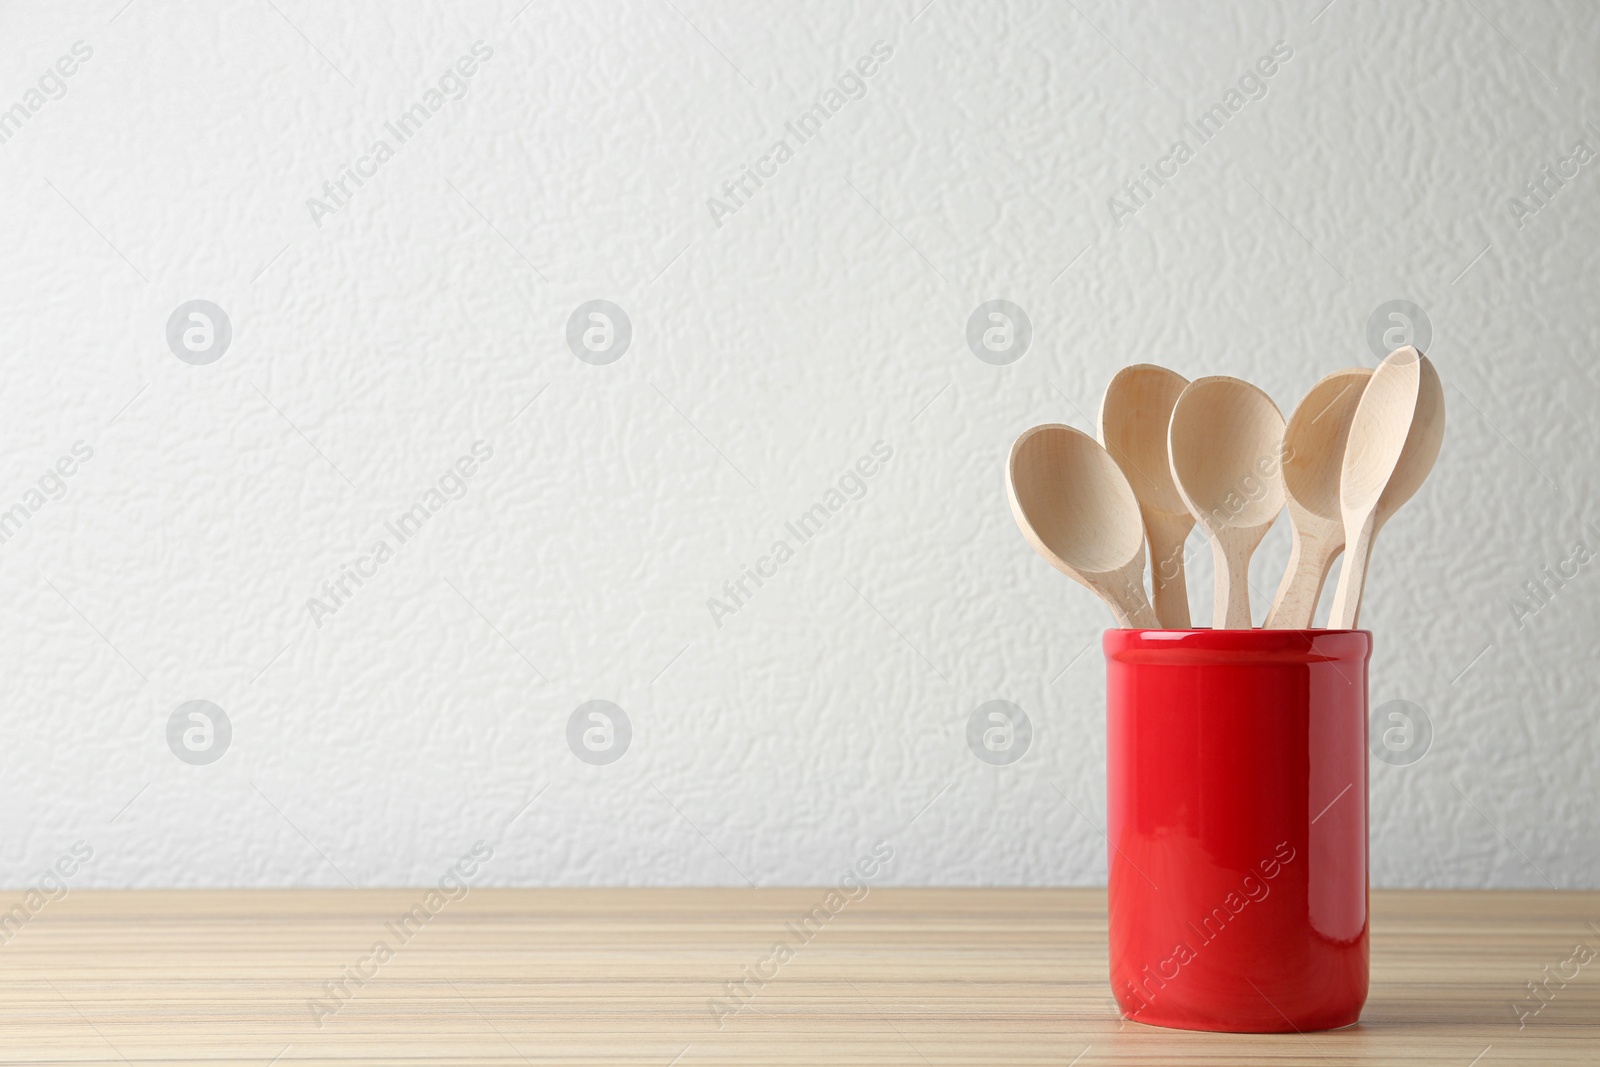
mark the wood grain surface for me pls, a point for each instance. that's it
(629, 976)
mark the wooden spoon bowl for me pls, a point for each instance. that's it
(1074, 506)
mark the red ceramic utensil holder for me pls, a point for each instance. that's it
(1237, 827)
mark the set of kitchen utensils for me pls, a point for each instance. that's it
(1216, 452)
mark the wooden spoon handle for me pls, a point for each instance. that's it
(1170, 591)
(1119, 613)
(1295, 606)
(1124, 593)
(1346, 610)
(1232, 595)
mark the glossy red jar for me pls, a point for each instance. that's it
(1236, 774)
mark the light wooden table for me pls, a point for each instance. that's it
(628, 976)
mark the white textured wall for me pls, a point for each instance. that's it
(373, 346)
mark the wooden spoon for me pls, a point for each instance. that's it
(1133, 426)
(1394, 440)
(1074, 506)
(1226, 442)
(1313, 456)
